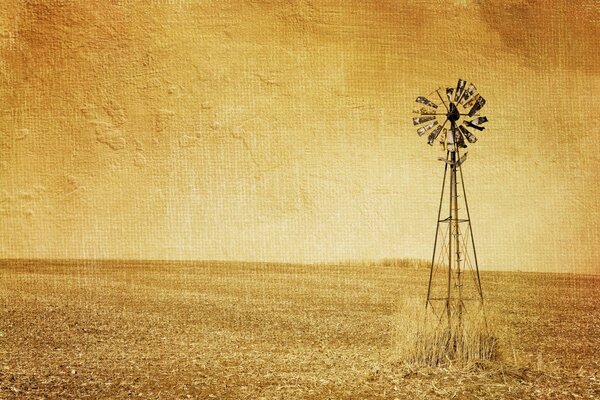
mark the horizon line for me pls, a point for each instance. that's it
(285, 263)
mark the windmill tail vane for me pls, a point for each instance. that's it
(447, 116)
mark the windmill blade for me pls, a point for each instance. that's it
(427, 102)
(469, 92)
(433, 135)
(479, 103)
(460, 87)
(422, 120)
(476, 123)
(425, 128)
(442, 138)
(472, 100)
(449, 92)
(479, 120)
(424, 111)
(470, 124)
(459, 139)
(470, 137)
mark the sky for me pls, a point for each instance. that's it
(282, 130)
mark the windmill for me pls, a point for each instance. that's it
(447, 117)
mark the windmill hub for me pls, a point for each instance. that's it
(453, 113)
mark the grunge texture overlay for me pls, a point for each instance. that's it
(281, 130)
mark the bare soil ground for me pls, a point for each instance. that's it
(166, 330)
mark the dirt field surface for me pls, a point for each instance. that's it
(166, 330)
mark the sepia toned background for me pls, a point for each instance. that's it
(281, 130)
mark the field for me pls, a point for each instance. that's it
(215, 330)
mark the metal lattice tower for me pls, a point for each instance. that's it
(454, 275)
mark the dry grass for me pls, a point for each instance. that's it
(112, 330)
(423, 338)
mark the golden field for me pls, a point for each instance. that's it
(217, 330)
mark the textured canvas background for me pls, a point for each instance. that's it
(280, 130)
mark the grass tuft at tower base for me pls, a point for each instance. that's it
(424, 338)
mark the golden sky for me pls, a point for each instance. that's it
(281, 130)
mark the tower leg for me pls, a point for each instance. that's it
(479, 288)
(458, 266)
(450, 229)
(437, 230)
